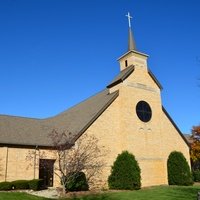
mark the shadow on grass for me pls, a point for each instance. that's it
(189, 191)
(93, 197)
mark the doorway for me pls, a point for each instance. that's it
(46, 171)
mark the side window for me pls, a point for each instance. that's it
(126, 63)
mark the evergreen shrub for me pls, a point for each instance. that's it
(76, 181)
(20, 184)
(36, 184)
(5, 186)
(125, 173)
(196, 175)
(178, 170)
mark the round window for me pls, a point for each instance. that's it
(143, 111)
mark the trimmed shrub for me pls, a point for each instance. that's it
(178, 170)
(125, 173)
(76, 181)
(196, 175)
(36, 184)
(6, 186)
(20, 184)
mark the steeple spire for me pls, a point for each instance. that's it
(132, 56)
(131, 41)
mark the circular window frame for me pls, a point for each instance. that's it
(143, 111)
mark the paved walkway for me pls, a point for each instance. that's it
(48, 193)
(54, 194)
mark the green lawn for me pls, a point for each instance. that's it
(154, 193)
(159, 193)
(18, 196)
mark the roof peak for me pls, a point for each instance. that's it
(131, 41)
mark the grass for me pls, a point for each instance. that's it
(18, 196)
(159, 193)
(153, 193)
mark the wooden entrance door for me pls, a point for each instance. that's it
(46, 171)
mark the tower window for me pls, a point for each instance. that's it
(126, 63)
(143, 111)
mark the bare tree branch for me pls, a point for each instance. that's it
(85, 156)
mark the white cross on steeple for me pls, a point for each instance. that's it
(129, 19)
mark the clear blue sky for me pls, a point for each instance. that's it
(56, 53)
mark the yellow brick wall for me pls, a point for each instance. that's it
(3, 151)
(21, 163)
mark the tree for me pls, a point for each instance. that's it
(85, 156)
(83, 160)
(125, 173)
(178, 170)
(195, 147)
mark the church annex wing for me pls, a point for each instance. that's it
(21, 131)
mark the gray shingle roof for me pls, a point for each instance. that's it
(122, 76)
(74, 121)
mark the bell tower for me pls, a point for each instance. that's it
(132, 56)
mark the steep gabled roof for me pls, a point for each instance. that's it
(155, 79)
(127, 72)
(21, 131)
(175, 126)
(122, 76)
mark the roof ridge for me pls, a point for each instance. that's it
(16, 116)
(46, 118)
(69, 108)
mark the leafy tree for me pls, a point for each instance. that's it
(195, 147)
(125, 173)
(178, 170)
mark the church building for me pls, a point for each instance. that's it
(127, 115)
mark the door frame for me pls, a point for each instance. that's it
(46, 171)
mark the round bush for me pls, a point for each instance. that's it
(76, 181)
(178, 170)
(125, 173)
